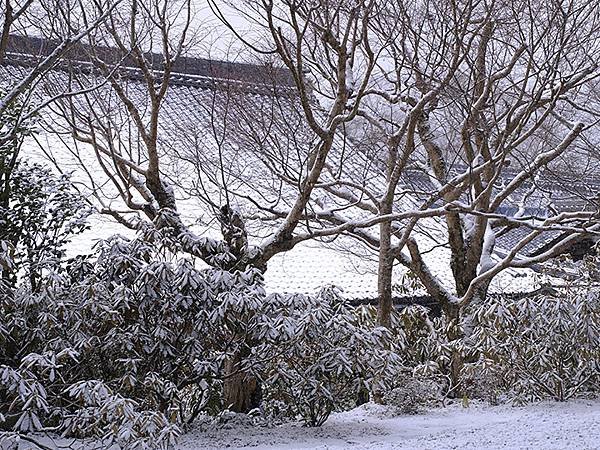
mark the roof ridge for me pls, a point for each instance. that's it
(23, 50)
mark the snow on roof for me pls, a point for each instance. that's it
(26, 50)
(310, 265)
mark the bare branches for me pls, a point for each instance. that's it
(466, 99)
(50, 60)
(12, 12)
(394, 120)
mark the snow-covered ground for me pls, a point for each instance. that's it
(571, 425)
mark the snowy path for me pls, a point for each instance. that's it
(573, 425)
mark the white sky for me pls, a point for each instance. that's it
(216, 40)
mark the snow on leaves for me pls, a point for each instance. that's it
(315, 356)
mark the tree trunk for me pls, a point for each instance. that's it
(454, 332)
(240, 390)
(384, 276)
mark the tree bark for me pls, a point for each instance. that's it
(240, 390)
(454, 332)
(384, 276)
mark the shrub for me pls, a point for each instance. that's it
(40, 217)
(128, 345)
(426, 350)
(412, 395)
(125, 346)
(541, 347)
(39, 211)
(315, 356)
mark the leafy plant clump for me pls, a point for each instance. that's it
(129, 346)
(541, 347)
(315, 355)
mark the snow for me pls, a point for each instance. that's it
(306, 268)
(571, 425)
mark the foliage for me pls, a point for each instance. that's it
(315, 355)
(39, 211)
(43, 213)
(130, 339)
(543, 346)
(426, 349)
(413, 394)
(13, 129)
(540, 346)
(128, 345)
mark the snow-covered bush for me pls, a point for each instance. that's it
(412, 394)
(420, 336)
(484, 379)
(543, 346)
(39, 211)
(123, 346)
(315, 355)
(129, 344)
(41, 215)
(426, 350)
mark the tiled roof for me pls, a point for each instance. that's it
(187, 71)
(198, 90)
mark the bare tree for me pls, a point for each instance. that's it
(474, 99)
(57, 21)
(135, 52)
(493, 132)
(483, 118)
